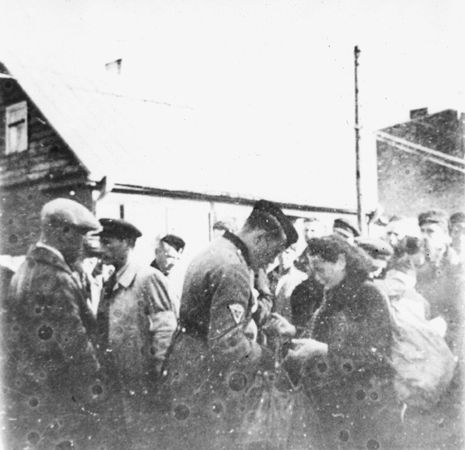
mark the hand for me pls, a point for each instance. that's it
(278, 325)
(304, 349)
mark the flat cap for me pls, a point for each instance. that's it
(228, 224)
(175, 241)
(346, 225)
(434, 216)
(286, 224)
(64, 211)
(376, 248)
(118, 228)
(458, 217)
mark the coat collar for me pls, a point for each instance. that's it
(155, 265)
(45, 254)
(342, 295)
(239, 244)
(126, 275)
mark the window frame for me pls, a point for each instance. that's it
(23, 143)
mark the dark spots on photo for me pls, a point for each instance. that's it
(344, 435)
(33, 402)
(45, 332)
(373, 444)
(181, 412)
(33, 437)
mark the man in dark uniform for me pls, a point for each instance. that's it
(214, 356)
(136, 319)
(52, 375)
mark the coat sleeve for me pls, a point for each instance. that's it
(229, 314)
(366, 346)
(162, 317)
(62, 326)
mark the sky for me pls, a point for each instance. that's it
(273, 80)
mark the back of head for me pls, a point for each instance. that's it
(268, 216)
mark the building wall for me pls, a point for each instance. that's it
(28, 179)
(189, 218)
(409, 184)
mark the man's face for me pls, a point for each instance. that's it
(457, 234)
(328, 273)
(313, 229)
(115, 251)
(287, 257)
(166, 256)
(268, 247)
(395, 233)
(435, 237)
(71, 243)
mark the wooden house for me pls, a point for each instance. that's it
(120, 155)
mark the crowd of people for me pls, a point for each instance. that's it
(356, 342)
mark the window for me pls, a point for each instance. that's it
(16, 127)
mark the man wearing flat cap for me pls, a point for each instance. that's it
(136, 320)
(168, 252)
(440, 278)
(52, 372)
(214, 357)
(347, 230)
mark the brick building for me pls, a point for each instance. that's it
(421, 163)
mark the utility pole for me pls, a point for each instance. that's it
(360, 214)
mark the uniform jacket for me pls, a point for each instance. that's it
(213, 358)
(52, 371)
(136, 321)
(218, 302)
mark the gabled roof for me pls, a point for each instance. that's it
(111, 133)
(142, 143)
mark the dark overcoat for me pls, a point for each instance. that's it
(54, 389)
(351, 388)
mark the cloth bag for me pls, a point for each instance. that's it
(268, 414)
(422, 361)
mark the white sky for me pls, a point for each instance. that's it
(273, 78)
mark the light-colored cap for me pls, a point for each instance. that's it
(63, 211)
